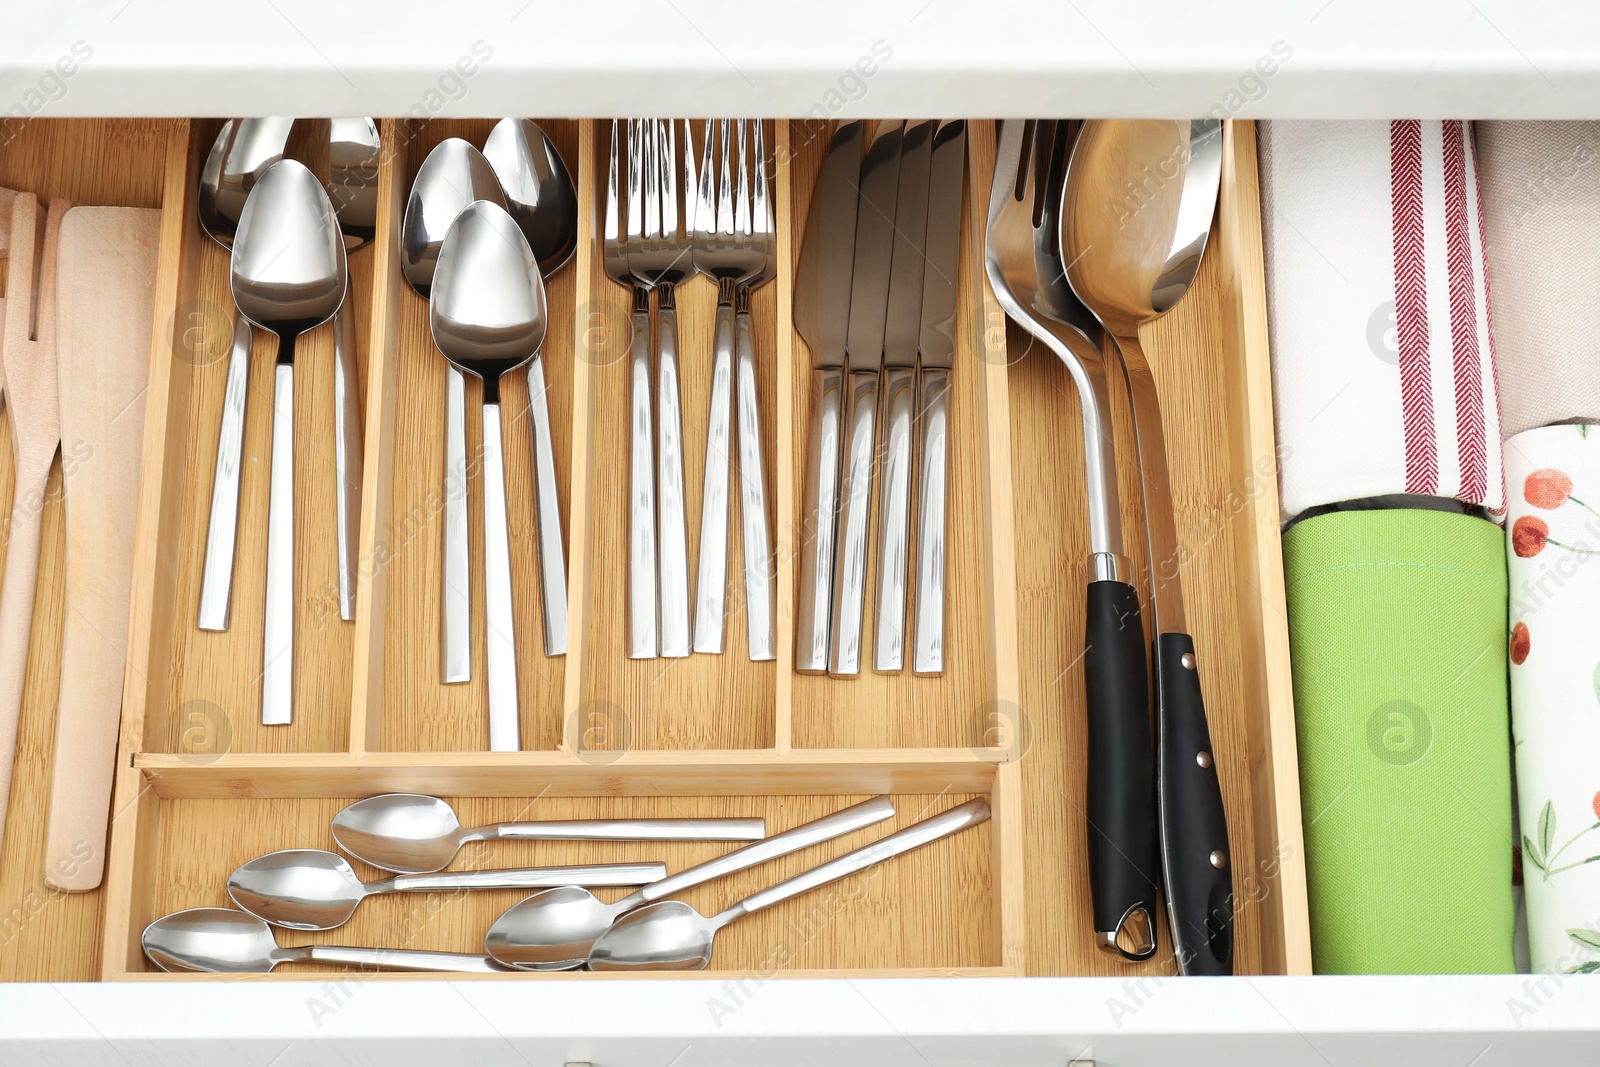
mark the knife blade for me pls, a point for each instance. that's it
(821, 313)
(936, 344)
(869, 309)
(899, 384)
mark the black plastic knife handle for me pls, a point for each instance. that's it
(1194, 827)
(1123, 850)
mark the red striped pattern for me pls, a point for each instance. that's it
(1471, 434)
(1488, 305)
(1411, 306)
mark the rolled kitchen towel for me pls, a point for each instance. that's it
(1541, 210)
(1397, 632)
(1553, 477)
(1383, 363)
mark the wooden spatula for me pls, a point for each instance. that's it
(105, 297)
(28, 359)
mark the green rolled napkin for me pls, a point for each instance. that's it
(1397, 635)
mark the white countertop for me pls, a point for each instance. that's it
(982, 58)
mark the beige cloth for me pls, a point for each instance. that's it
(1541, 210)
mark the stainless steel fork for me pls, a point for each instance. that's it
(733, 237)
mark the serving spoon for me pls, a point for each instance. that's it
(453, 175)
(670, 935)
(288, 276)
(416, 834)
(542, 199)
(488, 313)
(225, 941)
(555, 929)
(309, 889)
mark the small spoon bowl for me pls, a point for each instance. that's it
(666, 936)
(405, 832)
(299, 889)
(353, 155)
(219, 940)
(240, 155)
(487, 307)
(454, 175)
(539, 191)
(289, 272)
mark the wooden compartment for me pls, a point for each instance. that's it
(716, 735)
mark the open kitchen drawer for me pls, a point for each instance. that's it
(202, 786)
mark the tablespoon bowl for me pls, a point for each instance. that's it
(452, 177)
(539, 191)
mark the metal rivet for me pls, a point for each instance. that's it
(1188, 660)
(1203, 759)
(1218, 859)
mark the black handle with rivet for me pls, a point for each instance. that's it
(1197, 863)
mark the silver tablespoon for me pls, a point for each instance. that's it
(670, 935)
(555, 929)
(543, 201)
(242, 152)
(353, 155)
(288, 276)
(454, 175)
(416, 834)
(488, 314)
(309, 889)
(224, 941)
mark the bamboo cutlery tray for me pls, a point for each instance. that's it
(203, 787)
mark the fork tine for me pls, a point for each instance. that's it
(612, 223)
(667, 174)
(724, 181)
(761, 210)
(650, 179)
(741, 199)
(636, 204)
(705, 208)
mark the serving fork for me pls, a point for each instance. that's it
(733, 232)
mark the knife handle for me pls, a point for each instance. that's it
(927, 649)
(1123, 852)
(1194, 826)
(894, 520)
(672, 522)
(855, 520)
(820, 532)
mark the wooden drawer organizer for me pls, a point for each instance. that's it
(202, 786)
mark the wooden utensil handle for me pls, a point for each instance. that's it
(16, 623)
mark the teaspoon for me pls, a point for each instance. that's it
(670, 935)
(288, 276)
(224, 941)
(416, 834)
(309, 889)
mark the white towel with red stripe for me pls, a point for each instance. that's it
(1377, 301)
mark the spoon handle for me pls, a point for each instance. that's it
(347, 458)
(912, 837)
(504, 715)
(760, 576)
(216, 580)
(812, 833)
(597, 874)
(644, 640)
(552, 557)
(673, 529)
(393, 959)
(628, 830)
(455, 598)
(711, 589)
(277, 663)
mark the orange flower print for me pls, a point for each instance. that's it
(1528, 536)
(1520, 642)
(1547, 488)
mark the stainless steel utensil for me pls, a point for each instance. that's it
(821, 316)
(242, 152)
(733, 239)
(454, 175)
(1023, 262)
(936, 343)
(1130, 273)
(288, 276)
(416, 834)
(488, 313)
(555, 929)
(353, 154)
(309, 889)
(544, 202)
(225, 941)
(670, 935)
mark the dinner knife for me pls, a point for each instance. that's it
(821, 311)
(936, 344)
(869, 300)
(900, 337)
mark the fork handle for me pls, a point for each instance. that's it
(855, 520)
(820, 533)
(711, 590)
(643, 637)
(760, 576)
(673, 523)
(894, 520)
